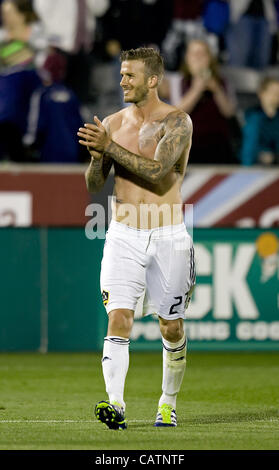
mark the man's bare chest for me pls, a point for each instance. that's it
(139, 139)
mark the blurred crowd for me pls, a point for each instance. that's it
(59, 66)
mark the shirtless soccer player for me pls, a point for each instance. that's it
(148, 250)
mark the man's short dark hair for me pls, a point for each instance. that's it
(153, 61)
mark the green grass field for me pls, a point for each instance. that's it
(228, 401)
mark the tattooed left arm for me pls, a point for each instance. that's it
(177, 138)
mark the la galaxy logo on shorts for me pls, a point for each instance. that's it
(105, 297)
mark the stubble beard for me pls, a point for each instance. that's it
(140, 95)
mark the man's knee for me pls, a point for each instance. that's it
(120, 322)
(172, 330)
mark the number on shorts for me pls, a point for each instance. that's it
(172, 311)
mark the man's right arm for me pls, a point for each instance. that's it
(97, 172)
(99, 167)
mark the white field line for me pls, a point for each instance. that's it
(62, 421)
(72, 421)
(41, 369)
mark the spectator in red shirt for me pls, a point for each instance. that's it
(206, 99)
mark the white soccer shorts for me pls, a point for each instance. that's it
(158, 263)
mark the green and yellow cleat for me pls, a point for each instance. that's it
(166, 416)
(111, 414)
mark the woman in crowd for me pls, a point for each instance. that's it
(206, 98)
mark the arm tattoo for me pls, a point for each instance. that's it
(94, 176)
(98, 170)
(177, 138)
(140, 166)
(177, 167)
